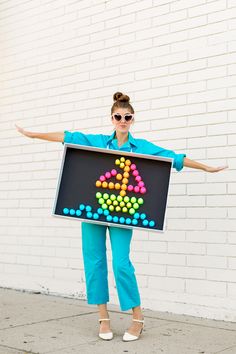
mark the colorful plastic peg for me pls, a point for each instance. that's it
(113, 172)
(98, 183)
(136, 189)
(108, 175)
(143, 190)
(135, 173)
(152, 223)
(78, 212)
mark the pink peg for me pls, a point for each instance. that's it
(135, 172)
(130, 188)
(107, 174)
(138, 178)
(113, 172)
(136, 189)
(141, 184)
(102, 178)
(133, 166)
(143, 190)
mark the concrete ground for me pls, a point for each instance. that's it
(37, 323)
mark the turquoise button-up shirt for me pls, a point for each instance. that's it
(140, 146)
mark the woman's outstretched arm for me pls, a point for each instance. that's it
(200, 166)
(53, 136)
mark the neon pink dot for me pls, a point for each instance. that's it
(141, 184)
(136, 189)
(143, 190)
(135, 173)
(133, 166)
(102, 178)
(107, 175)
(113, 172)
(130, 188)
(138, 178)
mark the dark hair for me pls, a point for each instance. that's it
(121, 101)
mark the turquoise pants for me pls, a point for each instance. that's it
(95, 265)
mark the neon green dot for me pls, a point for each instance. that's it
(129, 205)
(118, 208)
(109, 202)
(105, 196)
(126, 199)
(131, 211)
(140, 201)
(124, 209)
(115, 202)
(101, 201)
(136, 206)
(98, 195)
(122, 204)
(133, 200)
(104, 206)
(111, 208)
(119, 198)
(113, 197)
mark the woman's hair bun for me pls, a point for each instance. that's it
(119, 96)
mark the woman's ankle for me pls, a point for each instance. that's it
(137, 313)
(102, 311)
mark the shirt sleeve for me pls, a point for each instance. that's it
(178, 159)
(83, 139)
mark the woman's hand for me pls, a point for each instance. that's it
(24, 132)
(201, 166)
(215, 169)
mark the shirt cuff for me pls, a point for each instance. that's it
(68, 137)
(179, 162)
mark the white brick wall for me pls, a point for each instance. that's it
(61, 62)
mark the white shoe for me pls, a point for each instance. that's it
(127, 337)
(107, 335)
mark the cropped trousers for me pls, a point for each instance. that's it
(95, 265)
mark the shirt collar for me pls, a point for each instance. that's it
(131, 139)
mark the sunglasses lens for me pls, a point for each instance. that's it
(117, 117)
(128, 118)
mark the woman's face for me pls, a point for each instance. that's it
(123, 125)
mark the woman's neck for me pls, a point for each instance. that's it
(121, 138)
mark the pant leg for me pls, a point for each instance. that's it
(95, 262)
(126, 283)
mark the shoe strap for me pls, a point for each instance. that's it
(104, 319)
(142, 321)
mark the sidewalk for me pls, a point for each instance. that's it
(36, 323)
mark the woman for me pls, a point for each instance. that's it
(94, 235)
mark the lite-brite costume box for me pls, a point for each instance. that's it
(113, 187)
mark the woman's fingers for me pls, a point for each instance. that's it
(217, 169)
(21, 130)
